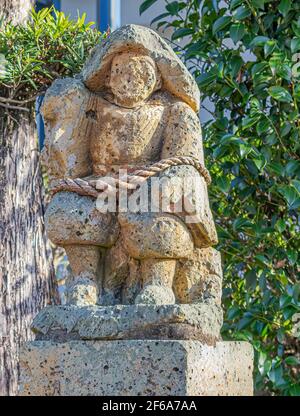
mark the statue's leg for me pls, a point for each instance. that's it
(157, 281)
(85, 262)
(157, 241)
(73, 222)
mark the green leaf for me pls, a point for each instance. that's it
(236, 64)
(264, 364)
(276, 376)
(158, 18)
(296, 292)
(285, 128)
(292, 360)
(280, 94)
(296, 184)
(269, 47)
(292, 168)
(292, 255)
(180, 33)
(258, 68)
(146, 4)
(262, 259)
(237, 31)
(251, 279)
(280, 335)
(221, 23)
(233, 312)
(244, 322)
(223, 183)
(240, 224)
(291, 195)
(248, 121)
(234, 4)
(259, 4)
(260, 162)
(295, 390)
(295, 45)
(277, 168)
(262, 126)
(242, 13)
(174, 7)
(284, 7)
(259, 41)
(207, 78)
(280, 225)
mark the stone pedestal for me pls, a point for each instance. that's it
(136, 367)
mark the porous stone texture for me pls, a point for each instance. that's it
(133, 104)
(66, 151)
(195, 321)
(174, 74)
(136, 367)
(144, 300)
(75, 219)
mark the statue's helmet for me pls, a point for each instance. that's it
(174, 75)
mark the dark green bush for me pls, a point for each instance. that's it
(252, 147)
(48, 46)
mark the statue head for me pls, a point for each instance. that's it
(146, 62)
(133, 78)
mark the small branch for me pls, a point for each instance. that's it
(14, 107)
(10, 100)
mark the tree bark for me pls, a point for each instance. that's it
(15, 10)
(27, 280)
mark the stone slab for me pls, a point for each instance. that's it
(136, 367)
(200, 322)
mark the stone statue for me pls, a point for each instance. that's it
(133, 105)
(130, 206)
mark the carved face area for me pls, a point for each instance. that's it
(133, 78)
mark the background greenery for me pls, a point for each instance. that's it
(48, 46)
(252, 151)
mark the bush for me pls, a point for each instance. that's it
(252, 148)
(48, 46)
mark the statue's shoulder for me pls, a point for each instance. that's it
(62, 86)
(173, 105)
(168, 100)
(63, 93)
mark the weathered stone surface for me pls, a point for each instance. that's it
(151, 235)
(175, 76)
(125, 137)
(66, 152)
(139, 72)
(196, 321)
(199, 278)
(195, 210)
(136, 367)
(134, 104)
(75, 219)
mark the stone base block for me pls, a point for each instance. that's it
(199, 321)
(136, 367)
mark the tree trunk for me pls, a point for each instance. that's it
(27, 281)
(15, 10)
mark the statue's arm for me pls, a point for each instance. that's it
(66, 153)
(183, 137)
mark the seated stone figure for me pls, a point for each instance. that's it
(133, 105)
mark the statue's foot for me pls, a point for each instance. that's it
(155, 295)
(82, 292)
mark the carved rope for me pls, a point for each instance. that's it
(84, 188)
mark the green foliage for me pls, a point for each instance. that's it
(48, 46)
(252, 147)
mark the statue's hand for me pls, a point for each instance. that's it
(110, 184)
